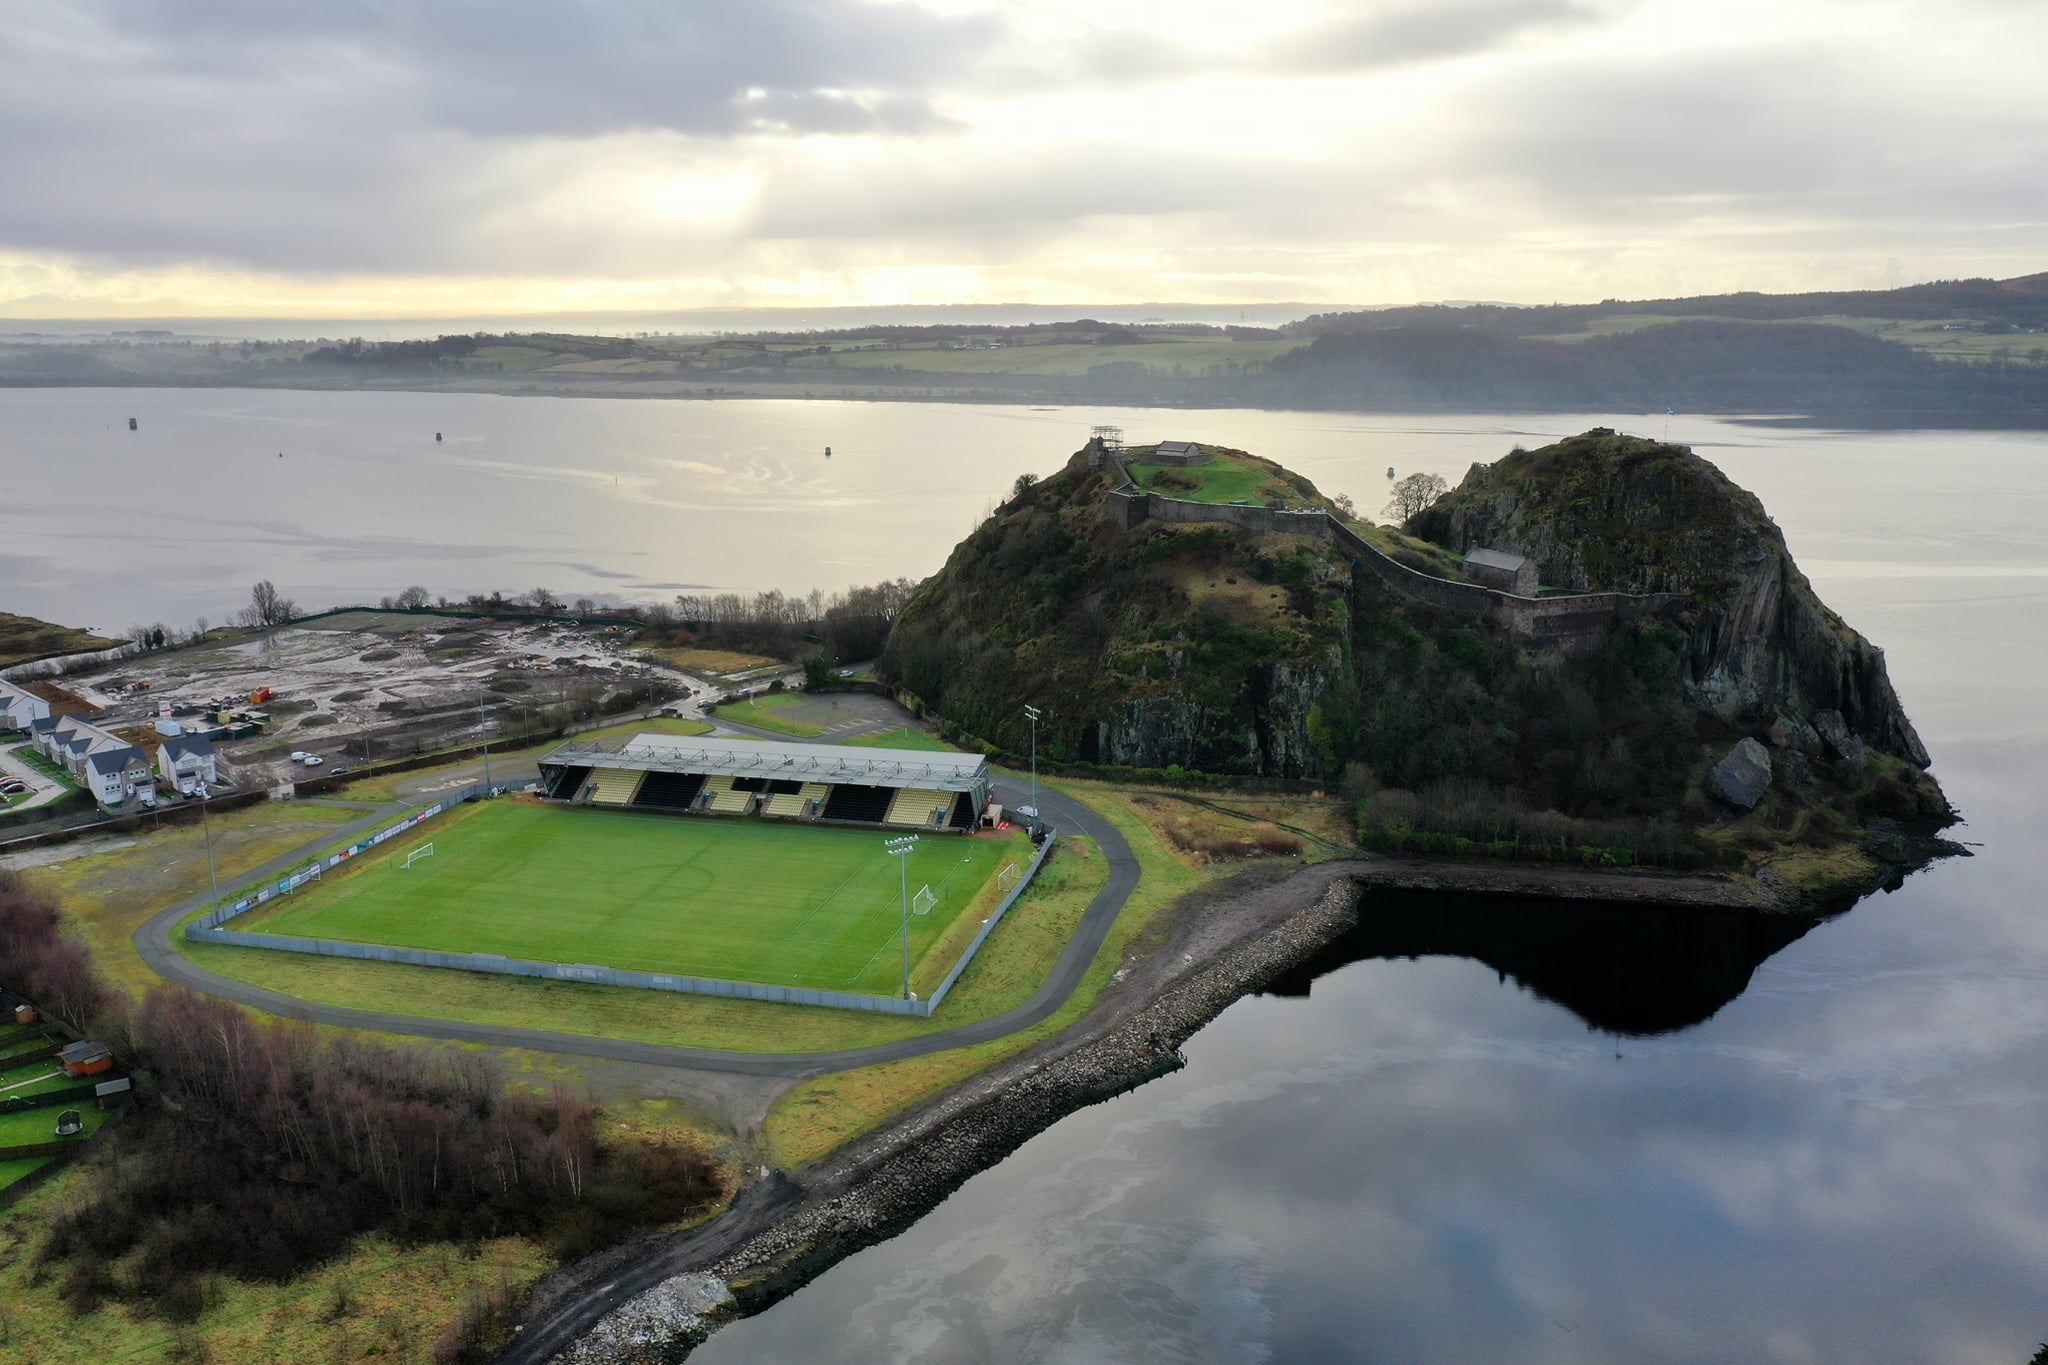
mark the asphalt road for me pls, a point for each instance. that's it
(1070, 816)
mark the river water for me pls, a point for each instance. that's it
(1479, 1131)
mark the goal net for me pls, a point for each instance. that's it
(923, 901)
(423, 851)
(1007, 878)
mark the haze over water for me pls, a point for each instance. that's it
(1421, 1159)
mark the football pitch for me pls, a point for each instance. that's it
(740, 900)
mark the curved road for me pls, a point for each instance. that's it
(1067, 814)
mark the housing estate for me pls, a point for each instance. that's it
(106, 765)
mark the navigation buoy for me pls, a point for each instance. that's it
(131, 424)
(1390, 471)
(828, 452)
(437, 435)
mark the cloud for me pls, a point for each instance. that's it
(1425, 33)
(484, 158)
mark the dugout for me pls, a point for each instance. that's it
(817, 783)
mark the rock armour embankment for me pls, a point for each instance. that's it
(887, 1182)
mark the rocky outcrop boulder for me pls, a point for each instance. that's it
(1603, 512)
(1793, 733)
(1834, 732)
(1742, 778)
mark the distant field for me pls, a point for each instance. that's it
(711, 660)
(1955, 339)
(1194, 355)
(740, 900)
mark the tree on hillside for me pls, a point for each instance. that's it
(413, 598)
(1414, 493)
(267, 607)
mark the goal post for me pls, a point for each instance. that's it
(1007, 878)
(923, 901)
(423, 851)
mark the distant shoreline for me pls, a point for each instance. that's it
(1905, 419)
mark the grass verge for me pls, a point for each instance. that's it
(765, 713)
(902, 739)
(108, 887)
(818, 1116)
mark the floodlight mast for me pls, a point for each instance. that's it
(899, 849)
(483, 727)
(206, 820)
(1032, 714)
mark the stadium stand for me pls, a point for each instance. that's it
(615, 787)
(798, 804)
(903, 788)
(914, 808)
(568, 782)
(867, 805)
(670, 791)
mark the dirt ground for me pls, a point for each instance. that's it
(375, 684)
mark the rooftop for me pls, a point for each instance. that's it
(1495, 559)
(828, 763)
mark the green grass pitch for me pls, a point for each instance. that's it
(740, 900)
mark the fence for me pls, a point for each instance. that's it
(207, 930)
(205, 927)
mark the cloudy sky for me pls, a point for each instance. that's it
(392, 158)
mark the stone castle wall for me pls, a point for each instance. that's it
(1576, 624)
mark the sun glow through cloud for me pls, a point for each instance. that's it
(213, 160)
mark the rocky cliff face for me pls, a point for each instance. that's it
(1602, 512)
(1203, 645)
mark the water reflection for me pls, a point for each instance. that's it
(1626, 969)
(1780, 1140)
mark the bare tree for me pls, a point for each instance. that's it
(1414, 493)
(269, 608)
(413, 598)
(545, 602)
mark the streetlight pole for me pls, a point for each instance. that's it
(1032, 714)
(206, 823)
(483, 727)
(899, 849)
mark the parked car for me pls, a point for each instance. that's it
(13, 786)
(342, 771)
(314, 760)
(300, 755)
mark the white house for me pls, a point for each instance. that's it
(19, 707)
(109, 767)
(116, 775)
(183, 757)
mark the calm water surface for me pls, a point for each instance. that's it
(1478, 1132)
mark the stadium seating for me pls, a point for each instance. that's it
(670, 791)
(568, 783)
(795, 804)
(867, 805)
(964, 813)
(915, 808)
(733, 802)
(615, 786)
